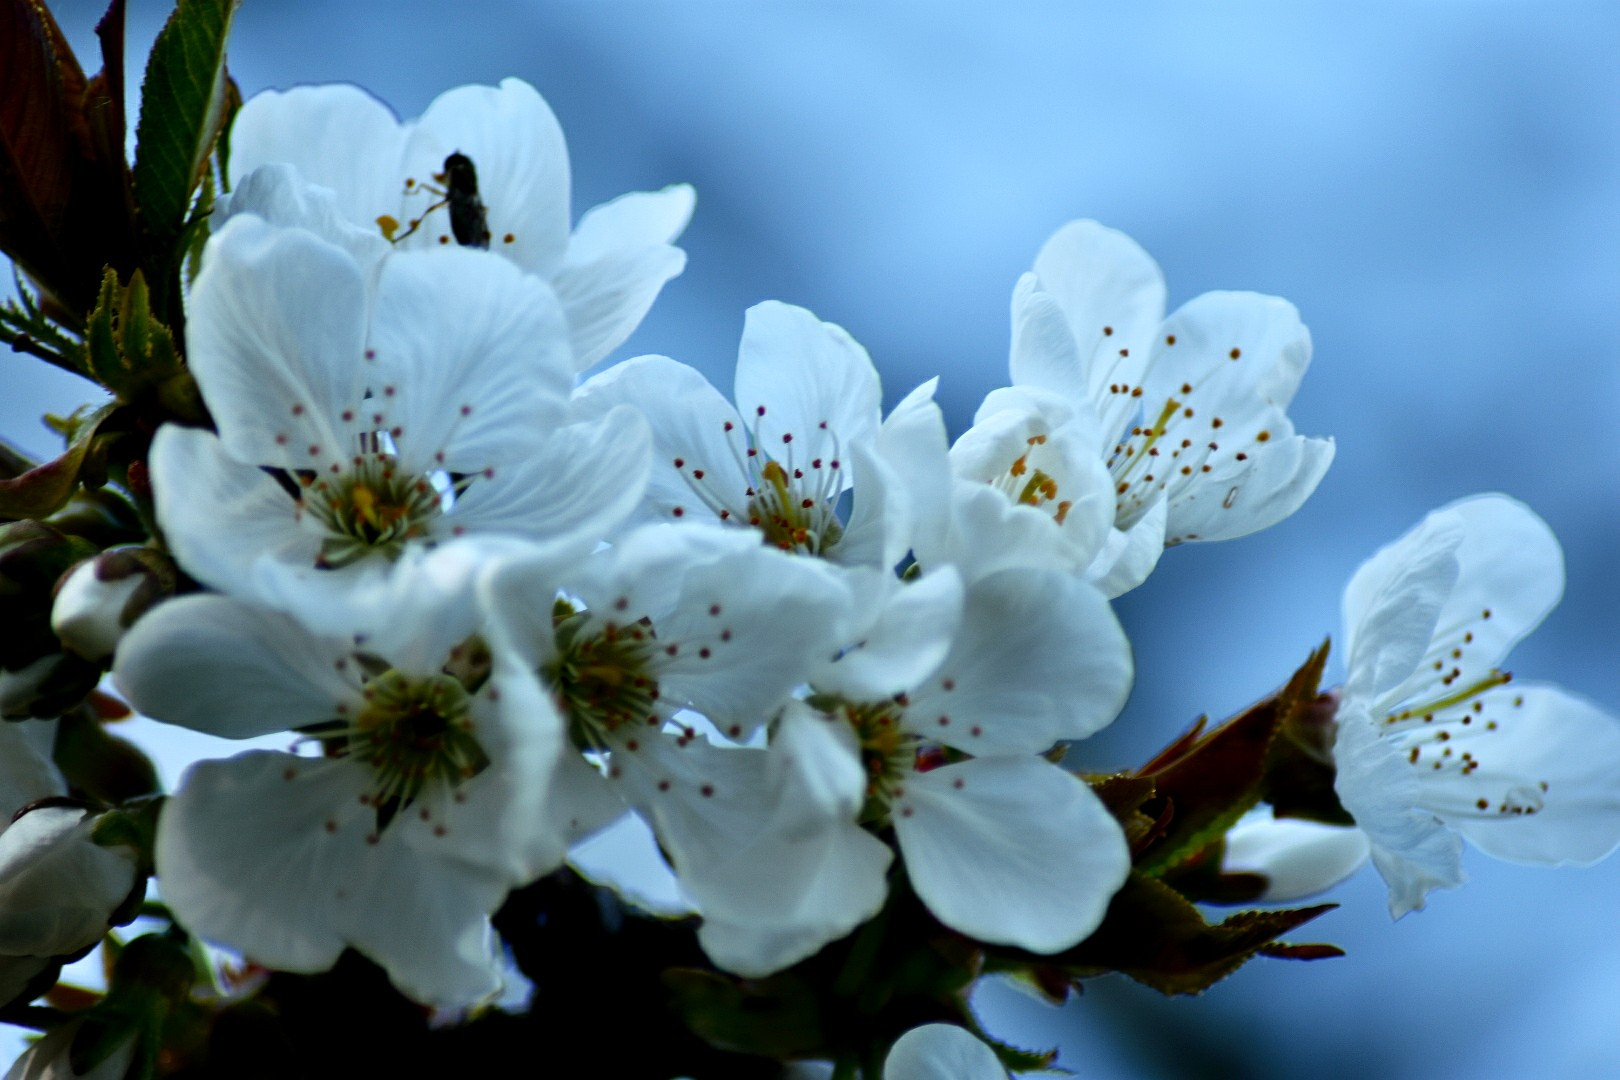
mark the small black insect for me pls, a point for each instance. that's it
(457, 189)
(467, 216)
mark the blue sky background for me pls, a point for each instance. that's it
(1435, 184)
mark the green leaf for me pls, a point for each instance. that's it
(777, 1017)
(36, 140)
(1155, 936)
(182, 113)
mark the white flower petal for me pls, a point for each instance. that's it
(1573, 747)
(1022, 853)
(587, 479)
(275, 336)
(58, 888)
(1241, 352)
(471, 359)
(272, 855)
(207, 501)
(517, 148)
(690, 422)
(806, 379)
(621, 255)
(941, 1052)
(1298, 858)
(1044, 354)
(1112, 293)
(337, 135)
(281, 195)
(1412, 848)
(1129, 555)
(218, 665)
(1391, 608)
(26, 770)
(903, 634)
(1039, 657)
(632, 222)
(1237, 498)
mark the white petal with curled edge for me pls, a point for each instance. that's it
(1298, 858)
(1112, 293)
(588, 479)
(1129, 555)
(765, 841)
(991, 533)
(912, 441)
(941, 1052)
(902, 634)
(605, 300)
(1043, 353)
(1571, 746)
(48, 1059)
(1018, 853)
(232, 669)
(1239, 351)
(1413, 849)
(476, 353)
(275, 336)
(632, 222)
(744, 625)
(517, 148)
(279, 193)
(812, 380)
(1039, 657)
(1391, 607)
(620, 256)
(276, 856)
(1510, 575)
(692, 449)
(336, 135)
(208, 502)
(1237, 498)
(58, 888)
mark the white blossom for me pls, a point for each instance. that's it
(356, 432)
(1132, 430)
(396, 179)
(1435, 742)
(423, 809)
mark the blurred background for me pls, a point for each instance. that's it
(1436, 185)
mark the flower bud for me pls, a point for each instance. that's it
(101, 597)
(59, 890)
(1299, 858)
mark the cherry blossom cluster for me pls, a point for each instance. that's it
(495, 606)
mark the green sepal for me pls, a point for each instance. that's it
(1014, 1058)
(1157, 937)
(183, 110)
(1200, 792)
(108, 769)
(150, 978)
(132, 353)
(779, 1017)
(44, 489)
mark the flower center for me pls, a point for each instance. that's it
(371, 508)
(793, 502)
(602, 678)
(416, 733)
(889, 754)
(1443, 737)
(1030, 485)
